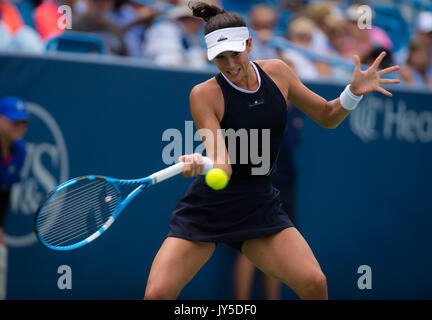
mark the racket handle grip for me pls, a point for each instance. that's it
(208, 165)
(177, 169)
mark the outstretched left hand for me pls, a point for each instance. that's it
(364, 82)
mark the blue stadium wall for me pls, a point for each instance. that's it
(364, 189)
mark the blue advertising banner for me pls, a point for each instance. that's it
(363, 189)
(364, 196)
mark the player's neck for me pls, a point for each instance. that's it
(249, 81)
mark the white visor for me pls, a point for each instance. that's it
(227, 39)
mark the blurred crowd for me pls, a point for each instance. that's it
(317, 38)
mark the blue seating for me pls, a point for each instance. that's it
(77, 42)
(239, 6)
(26, 8)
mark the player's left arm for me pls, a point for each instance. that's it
(330, 114)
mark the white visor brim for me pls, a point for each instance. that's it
(227, 39)
(237, 46)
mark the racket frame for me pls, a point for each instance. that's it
(121, 204)
(142, 183)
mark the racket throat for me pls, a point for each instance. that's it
(132, 195)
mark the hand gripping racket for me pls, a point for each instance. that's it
(79, 210)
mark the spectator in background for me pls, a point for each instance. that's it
(424, 28)
(177, 40)
(14, 34)
(13, 126)
(172, 2)
(423, 31)
(286, 11)
(292, 7)
(340, 45)
(10, 17)
(134, 18)
(95, 20)
(47, 16)
(386, 62)
(416, 70)
(300, 32)
(340, 42)
(262, 20)
(365, 40)
(319, 12)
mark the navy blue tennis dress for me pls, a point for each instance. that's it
(249, 207)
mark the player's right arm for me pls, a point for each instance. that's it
(206, 104)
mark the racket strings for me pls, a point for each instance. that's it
(71, 205)
(50, 233)
(71, 194)
(77, 212)
(79, 223)
(57, 203)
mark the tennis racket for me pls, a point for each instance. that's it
(78, 211)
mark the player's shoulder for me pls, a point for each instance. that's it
(274, 67)
(206, 98)
(206, 89)
(206, 93)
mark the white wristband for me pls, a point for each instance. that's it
(348, 99)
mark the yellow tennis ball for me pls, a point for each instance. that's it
(216, 179)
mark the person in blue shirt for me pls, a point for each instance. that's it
(13, 126)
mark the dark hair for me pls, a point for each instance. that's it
(375, 52)
(216, 18)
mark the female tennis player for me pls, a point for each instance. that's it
(248, 213)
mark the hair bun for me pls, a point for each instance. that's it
(203, 10)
